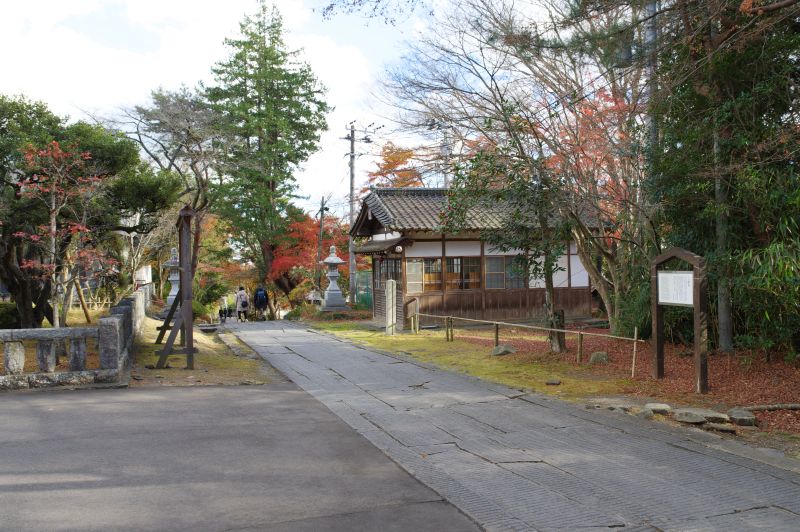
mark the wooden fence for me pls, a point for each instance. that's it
(450, 333)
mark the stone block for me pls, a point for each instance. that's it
(13, 382)
(14, 358)
(684, 416)
(645, 413)
(503, 349)
(106, 376)
(742, 417)
(126, 314)
(599, 357)
(709, 415)
(553, 382)
(658, 408)
(75, 378)
(110, 342)
(42, 380)
(77, 354)
(46, 355)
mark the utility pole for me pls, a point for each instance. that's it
(351, 136)
(322, 209)
(351, 248)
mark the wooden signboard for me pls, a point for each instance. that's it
(684, 289)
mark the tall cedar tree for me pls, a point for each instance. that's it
(272, 115)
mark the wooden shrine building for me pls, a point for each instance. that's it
(454, 274)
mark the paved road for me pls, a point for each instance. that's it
(212, 458)
(525, 462)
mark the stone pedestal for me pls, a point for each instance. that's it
(333, 299)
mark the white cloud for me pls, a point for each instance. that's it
(97, 56)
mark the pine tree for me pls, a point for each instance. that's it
(272, 112)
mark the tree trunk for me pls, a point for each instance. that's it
(67, 300)
(54, 297)
(557, 341)
(724, 311)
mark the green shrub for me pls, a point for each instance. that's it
(9, 318)
(200, 310)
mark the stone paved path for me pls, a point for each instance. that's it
(515, 461)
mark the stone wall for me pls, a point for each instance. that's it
(114, 336)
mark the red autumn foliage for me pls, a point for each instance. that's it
(395, 169)
(300, 248)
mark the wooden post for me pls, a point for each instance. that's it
(186, 277)
(496, 334)
(183, 321)
(83, 301)
(580, 348)
(635, 343)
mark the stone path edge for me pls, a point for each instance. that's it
(708, 440)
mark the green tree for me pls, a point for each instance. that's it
(272, 112)
(58, 220)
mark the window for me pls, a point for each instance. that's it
(433, 275)
(505, 272)
(423, 275)
(516, 276)
(386, 269)
(495, 272)
(463, 273)
(414, 275)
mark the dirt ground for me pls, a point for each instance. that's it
(214, 364)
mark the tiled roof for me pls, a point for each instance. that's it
(420, 209)
(379, 246)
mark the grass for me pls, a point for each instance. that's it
(214, 363)
(524, 371)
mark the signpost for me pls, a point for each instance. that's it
(683, 289)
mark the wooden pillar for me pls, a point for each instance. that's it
(186, 277)
(444, 275)
(483, 281)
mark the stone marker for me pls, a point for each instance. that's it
(14, 353)
(553, 382)
(658, 408)
(599, 357)
(709, 415)
(503, 349)
(720, 427)
(689, 417)
(743, 417)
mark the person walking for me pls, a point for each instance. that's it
(223, 309)
(242, 304)
(260, 302)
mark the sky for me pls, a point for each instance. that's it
(88, 58)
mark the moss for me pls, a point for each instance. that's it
(524, 371)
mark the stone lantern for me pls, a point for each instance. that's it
(333, 299)
(174, 277)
